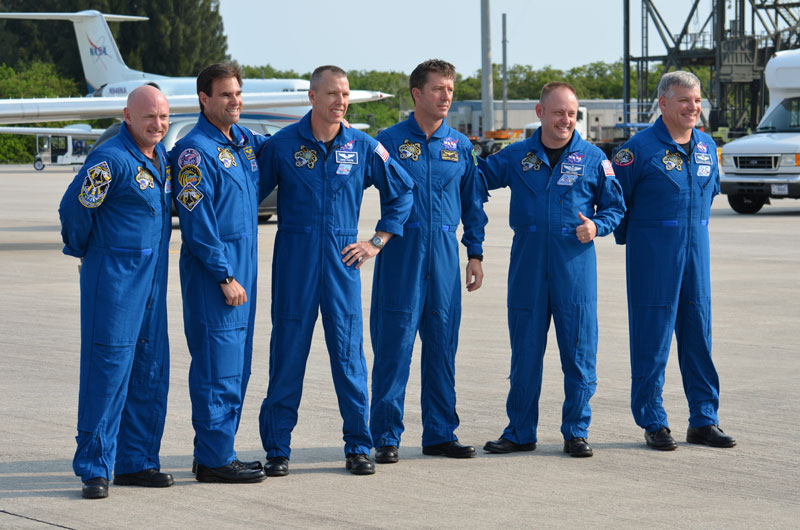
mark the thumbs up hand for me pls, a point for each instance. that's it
(587, 230)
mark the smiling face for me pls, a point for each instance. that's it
(432, 102)
(558, 112)
(681, 110)
(223, 106)
(147, 117)
(330, 98)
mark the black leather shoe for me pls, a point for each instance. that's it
(277, 466)
(450, 449)
(503, 446)
(577, 447)
(660, 439)
(253, 464)
(359, 464)
(95, 488)
(148, 478)
(709, 435)
(387, 454)
(233, 473)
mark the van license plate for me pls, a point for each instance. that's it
(780, 189)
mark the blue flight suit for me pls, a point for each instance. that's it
(216, 195)
(669, 192)
(319, 201)
(552, 273)
(417, 281)
(116, 216)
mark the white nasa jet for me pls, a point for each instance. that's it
(280, 101)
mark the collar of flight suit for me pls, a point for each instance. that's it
(662, 133)
(209, 129)
(133, 148)
(538, 146)
(414, 128)
(345, 134)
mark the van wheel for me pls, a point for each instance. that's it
(746, 204)
(38, 165)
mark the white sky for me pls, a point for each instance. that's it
(397, 35)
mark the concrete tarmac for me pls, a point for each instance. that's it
(756, 310)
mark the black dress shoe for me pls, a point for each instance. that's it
(359, 464)
(502, 446)
(577, 447)
(253, 464)
(709, 435)
(148, 478)
(660, 439)
(95, 488)
(233, 473)
(277, 466)
(387, 454)
(450, 449)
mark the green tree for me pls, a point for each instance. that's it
(37, 79)
(181, 37)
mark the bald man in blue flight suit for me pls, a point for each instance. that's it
(216, 190)
(563, 195)
(321, 167)
(115, 216)
(416, 285)
(670, 175)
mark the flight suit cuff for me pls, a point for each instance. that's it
(390, 227)
(476, 250)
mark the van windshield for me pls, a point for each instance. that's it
(783, 118)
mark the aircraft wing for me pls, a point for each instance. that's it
(33, 110)
(75, 132)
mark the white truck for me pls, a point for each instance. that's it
(766, 165)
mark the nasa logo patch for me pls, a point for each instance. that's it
(450, 143)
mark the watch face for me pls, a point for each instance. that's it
(378, 242)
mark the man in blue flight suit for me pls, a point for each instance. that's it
(216, 188)
(321, 167)
(670, 175)
(115, 216)
(563, 195)
(423, 294)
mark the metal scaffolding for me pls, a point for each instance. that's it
(735, 54)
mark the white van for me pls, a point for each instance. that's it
(766, 165)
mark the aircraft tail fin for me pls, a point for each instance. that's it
(100, 57)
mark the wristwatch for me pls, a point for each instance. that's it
(377, 241)
(227, 280)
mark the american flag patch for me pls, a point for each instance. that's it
(608, 169)
(382, 152)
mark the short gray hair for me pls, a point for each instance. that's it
(680, 78)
